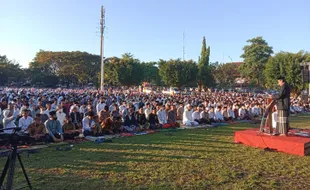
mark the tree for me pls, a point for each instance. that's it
(125, 71)
(10, 71)
(225, 74)
(177, 73)
(71, 67)
(204, 76)
(288, 65)
(255, 58)
(150, 73)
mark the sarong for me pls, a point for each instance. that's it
(283, 122)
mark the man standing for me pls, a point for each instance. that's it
(283, 107)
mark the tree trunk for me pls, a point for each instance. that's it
(199, 84)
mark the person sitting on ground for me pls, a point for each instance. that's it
(76, 117)
(180, 111)
(231, 113)
(25, 107)
(37, 130)
(141, 119)
(116, 120)
(187, 116)
(104, 114)
(172, 117)
(107, 126)
(8, 120)
(162, 116)
(70, 132)
(212, 115)
(88, 123)
(61, 116)
(204, 115)
(242, 113)
(196, 115)
(148, 110)
(131, 124)
(153, 119)
(225, 114)
(218, 115)
(25, 120)
(54, 128)
(83, 109)
(43, 115)
(97, 129)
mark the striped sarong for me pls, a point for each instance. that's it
(283, 122)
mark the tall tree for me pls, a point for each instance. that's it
(255, 56)
(204, 76)
(125, 71)
(10, 71)
(225, 74)
(151, 73)
(71, 67)
(288, 65)
(177, 73)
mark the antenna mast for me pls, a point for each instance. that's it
(102, 26)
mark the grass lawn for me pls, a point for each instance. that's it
(189, 159)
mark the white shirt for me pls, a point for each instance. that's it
(54, 106)
(187, 115)
(25, 122)
(87, 124)
(211, 115)
(147, 112)
(219, 115)
(83, 110)
(111, 108)
(121, 108)
(100, 107)
(231, 113)
(241, 112)
(61, 116)
(73, 106)
(162, 117)
(196, 115)
(9, 123)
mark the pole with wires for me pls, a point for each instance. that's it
(102, 26)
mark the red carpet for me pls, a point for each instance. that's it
(291, 144)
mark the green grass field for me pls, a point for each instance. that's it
(189, 159)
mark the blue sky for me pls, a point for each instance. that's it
(152, 29)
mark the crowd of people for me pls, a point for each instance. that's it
(57, 114)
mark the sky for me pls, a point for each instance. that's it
(151, 29)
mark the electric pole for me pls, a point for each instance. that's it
(102, 26)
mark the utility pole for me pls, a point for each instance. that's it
(102, 26)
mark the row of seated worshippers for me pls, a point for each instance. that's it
(110, 122)
(201, 115)
(128, 120)
(33, 129)
(297, 108)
